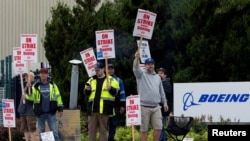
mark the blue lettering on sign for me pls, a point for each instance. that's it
(188, 98)
(224, 98)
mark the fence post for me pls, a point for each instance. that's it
(2, 74)
(8, 75)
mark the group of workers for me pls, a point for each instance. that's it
(41, 102)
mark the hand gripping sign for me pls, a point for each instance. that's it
(29, 51)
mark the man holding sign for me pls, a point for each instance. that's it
(47, 103)
(101, 91)
(150, 89)
(27, 115)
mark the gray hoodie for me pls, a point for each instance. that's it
(149, 87)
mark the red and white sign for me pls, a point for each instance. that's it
(89, 61)
(144, 24)
(29, 47)
(8, 109)
(133, 110)
(19, 65)
(105, 44)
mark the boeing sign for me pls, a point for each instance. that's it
(227, 100)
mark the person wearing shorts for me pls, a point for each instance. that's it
(25, 109)
(150, 89)
(150, 114)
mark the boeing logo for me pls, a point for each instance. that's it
(188, 99)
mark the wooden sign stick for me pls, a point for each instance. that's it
(28, 81)
(106, 69)
(139, 46)
(9, 134)
(133, 133)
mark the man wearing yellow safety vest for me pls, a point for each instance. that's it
(101, 91)
(47, 101)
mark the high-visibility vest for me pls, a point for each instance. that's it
(54, 94)
(106, 99)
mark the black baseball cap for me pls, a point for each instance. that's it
(162, 69)
(110, 65)
(98, 66)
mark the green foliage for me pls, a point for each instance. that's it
(84, 126)
(211, 35)
(198, 136)
(126, 134)
(71, 31)
(194, 39)
(198, 131)
(16, 135)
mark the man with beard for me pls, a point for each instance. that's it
(150, 89)
(101, 91)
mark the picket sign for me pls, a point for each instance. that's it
(144, 26)
(133, 111)
(89, 60)
(8, 110)
(47, 136)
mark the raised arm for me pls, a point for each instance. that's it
(136, 60)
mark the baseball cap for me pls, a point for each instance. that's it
(44, 70)
(98, 66)
(110, 65)
(162, 69)
(149, 60)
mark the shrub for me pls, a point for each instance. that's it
(16, 135)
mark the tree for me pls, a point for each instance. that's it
(68, 33)
(71, 31)
(211, 39)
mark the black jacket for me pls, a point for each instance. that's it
(168, 89)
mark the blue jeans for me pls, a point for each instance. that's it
(51, 120)
(163, 136)
(113, 123)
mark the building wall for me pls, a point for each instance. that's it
(24, 17)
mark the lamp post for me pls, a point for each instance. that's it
(74, 83)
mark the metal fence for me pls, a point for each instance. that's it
(2, 93)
